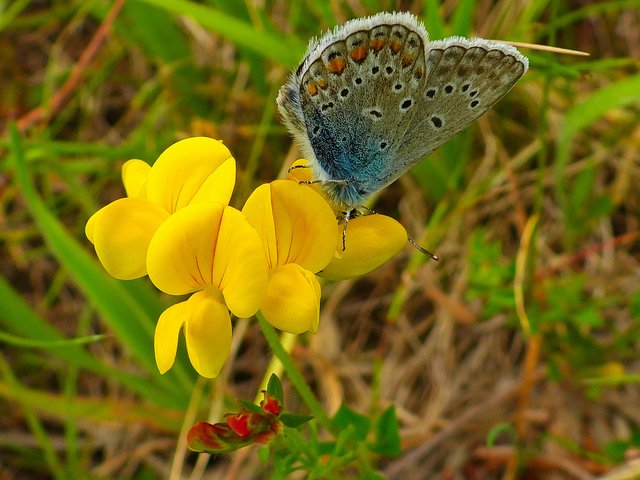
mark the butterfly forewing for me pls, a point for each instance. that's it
(357, 93)
(465, 78)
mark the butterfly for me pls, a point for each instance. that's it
(374, 96)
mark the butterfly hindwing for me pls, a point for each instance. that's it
(465, 78)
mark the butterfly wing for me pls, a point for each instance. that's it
(353, 91)
(464, 79)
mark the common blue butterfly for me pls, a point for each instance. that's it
(374, 96)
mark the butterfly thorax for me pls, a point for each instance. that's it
(346, 196)
(350, 165)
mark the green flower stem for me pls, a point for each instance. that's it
(288, 341)
(294, 374)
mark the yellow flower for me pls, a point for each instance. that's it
(211, 249)
(371, 240)
(298, 230)
(175, 225)
(191, 171)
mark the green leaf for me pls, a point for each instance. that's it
(374, 476)
(616, 450)
(269, 45)
(17, 317)
(251, 407)
(153, 29)
(292, 420)
(387, 431)
(589, 317)
(634, 307)
(326, 448)
(463, 17)
(274, 388)
(346, 417)
(582, 189)
(498, 430)
(49, 344)
(433, 20)
(614, 95)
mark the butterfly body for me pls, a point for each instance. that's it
(375, 96)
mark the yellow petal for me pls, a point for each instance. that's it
(210, 244)
(208, 333)
(292, 303)
(121, 233)
(135, 174)
(185, 167)
(371, 241)
(165, 340)
(91, 225)
(218, 186)
(259, 213)
(295, 223)
(180, 255)
(240, 264)
(302, 171)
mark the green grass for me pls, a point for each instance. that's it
(521, 341)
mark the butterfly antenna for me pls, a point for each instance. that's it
(424, 251)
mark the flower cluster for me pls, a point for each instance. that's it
(251, 424)
(245, 427)
(177, 227)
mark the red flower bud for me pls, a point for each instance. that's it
(271, 404)
(205, 436)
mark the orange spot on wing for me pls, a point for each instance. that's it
(377, 44)
(336, 65)
(407, 59)
(312, 88)
(359, 54)
(322, 84)
(395, 45)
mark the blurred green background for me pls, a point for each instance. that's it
(515, 356)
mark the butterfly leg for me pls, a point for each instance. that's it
(370, 211)
(296, 167)
(353, 213)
